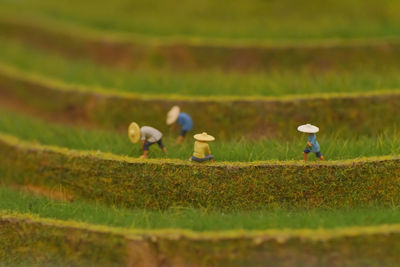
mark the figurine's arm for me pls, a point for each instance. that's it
(143, 141)
(208, 151)
(309, 144)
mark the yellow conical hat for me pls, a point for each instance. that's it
(134, 132)
(204, 137)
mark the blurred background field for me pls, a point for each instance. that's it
(212, 82)
(239, 20)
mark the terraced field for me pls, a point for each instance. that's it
(217, 19)
(73, 191)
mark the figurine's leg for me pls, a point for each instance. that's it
(196, 159)
(181, 136)
(161, 145)
(145, 154)
(210, 158)
(319, 155)
(206, 158)
(146, 150)
(179, 139)
(305, 152)
(305, 156)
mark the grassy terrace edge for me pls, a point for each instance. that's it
(228, 117)
(160, 184)
(50, 241)
(195, 54)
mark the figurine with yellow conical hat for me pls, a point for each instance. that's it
(148, 135)
(202, 150)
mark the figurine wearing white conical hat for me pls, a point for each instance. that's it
(312, 143)
(148, 135)
(184, 120)
(202, 150)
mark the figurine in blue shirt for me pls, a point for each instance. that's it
(184, 120)
(312, 143)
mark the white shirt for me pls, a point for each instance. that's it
(150, 134)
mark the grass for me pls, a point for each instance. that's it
(333, 145)
(194, 219)
(202, 83)
(252, 20)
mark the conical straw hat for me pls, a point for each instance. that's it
(308, 128)
(134, 132)
(204, 137)
(173, 114)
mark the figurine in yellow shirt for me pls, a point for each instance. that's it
(201, 149)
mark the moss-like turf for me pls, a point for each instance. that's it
(161, 184)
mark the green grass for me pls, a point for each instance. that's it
(202, 83)
(242, 19)
(194, 219)
(333, 145)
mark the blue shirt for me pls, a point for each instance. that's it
(313, 140)
(185, 121)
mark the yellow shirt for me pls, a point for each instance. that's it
(201, 149)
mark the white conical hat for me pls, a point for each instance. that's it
(204, 137)
(134, 132)
(173, 114)
(308, 128)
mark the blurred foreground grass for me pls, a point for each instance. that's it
(195, 219)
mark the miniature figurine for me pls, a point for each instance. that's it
(148, 135)
(184, 120)
(312, 143)
(201, 149)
